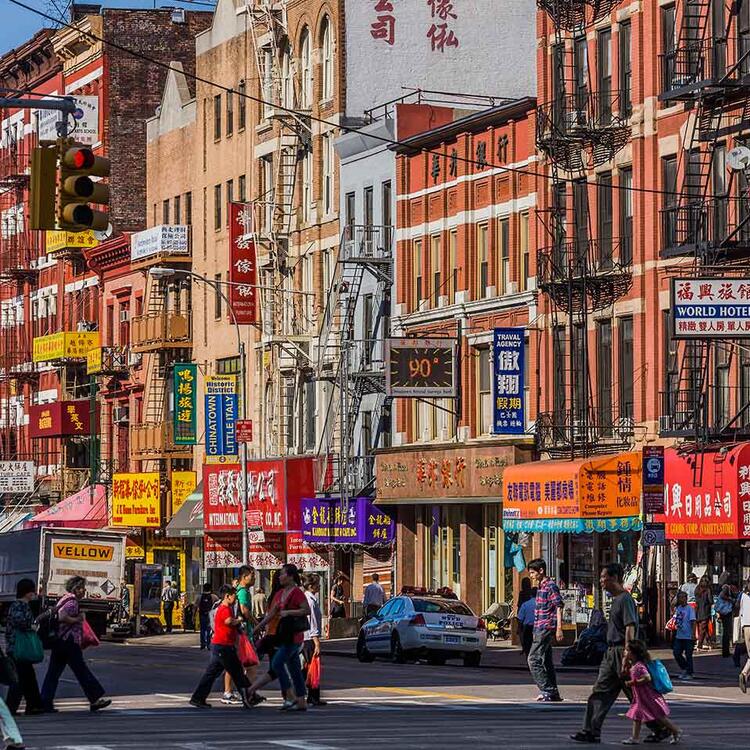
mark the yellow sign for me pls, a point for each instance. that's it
(136, 500)
(68, 551)
(94, 361)
(134, 551)
(64, 345)
(60, 240)
(220, 459)
(221, 385)
(183, 483)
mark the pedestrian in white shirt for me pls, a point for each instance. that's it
(744, 605)
(374, 597)
(311, 645)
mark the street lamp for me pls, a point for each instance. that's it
(159, 274)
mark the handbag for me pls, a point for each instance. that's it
(672, 623)
(88, 637)
(737, 631)
(27, 647)
(246, 652)
(313, 673)
(290, 625)
(660, 678)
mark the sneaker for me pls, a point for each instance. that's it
(631, 741)
(743, 682)
(100, 704)
(541, 697)
(286, 705)
(551, 698)
(199, 704)
(231, 699)
(585, 737)
(676, 739)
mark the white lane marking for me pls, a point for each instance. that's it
(708, 698)
(300, 745)
(173, 696)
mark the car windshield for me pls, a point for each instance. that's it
(441, 605)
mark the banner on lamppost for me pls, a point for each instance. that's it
(507, 382)
(243, 264)
(221, 415)
(185, 432)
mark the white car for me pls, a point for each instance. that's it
(431, 627)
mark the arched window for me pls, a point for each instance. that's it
(326, 44)
(306, 70)
(287, 85)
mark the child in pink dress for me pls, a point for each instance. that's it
(648, 704)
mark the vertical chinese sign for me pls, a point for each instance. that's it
(508, 382)
(183, 483)
(243, 265)
(184, 404)
(221, 416)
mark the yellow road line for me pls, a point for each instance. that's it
(429, 694)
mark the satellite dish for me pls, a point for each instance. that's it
(738, 158)
(103, 234)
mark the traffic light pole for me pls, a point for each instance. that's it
(67, 105)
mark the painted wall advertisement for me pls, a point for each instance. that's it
(325, 520)
(243, 264)
(508, 381)
(136, 500)
(221, 415)
(16, 477)
(185, 394)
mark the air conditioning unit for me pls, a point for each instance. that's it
(135, 359)
(120, 414)
(87, 325)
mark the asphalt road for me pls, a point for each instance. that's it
(369, 706)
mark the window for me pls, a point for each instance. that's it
(309, 398)
(525, 257)
(484, 364)
(241, 111)
(581, 72)
(111, 325)
(626, 70)
(217, 117)
(669, 363)
(266, 190)
(368, 326)
(217, 207)
(327, 174)
(625, 373)
(721, 194)
(504, 238)
(604, 374)
(287, 82)
(721, 385)
(230, 112)
(217, 296)
(668, 41)
(350, 208)
(230, 195)
(307, 186)
(558, 82)
(368, 218)
(452, 268)
(604, 219)
(307, 72)
(417, 273)
(165, 211)
(669, 199)
(387, 210)
(604, 75)
(483, 260)
(242, 188)
(743, 41)
(326, 38)
(579, 365)
(435, 268)
(177, 209)
(124, 333)
(626, 216)
(719, 40)
(560, 369)
(228, 365)
(188, 208)
(580, 223)
(267, 83)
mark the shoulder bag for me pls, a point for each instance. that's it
(27, 647)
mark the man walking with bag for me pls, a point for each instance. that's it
(169, 597)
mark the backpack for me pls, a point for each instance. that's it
(205, 603)
(212, 616)
(659, 677)
(49, 624)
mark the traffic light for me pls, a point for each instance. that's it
(76, 189)
(42, 188)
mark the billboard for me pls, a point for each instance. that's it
(422, 368)
(64, 345)
(508, 381)
(165, 239)
(60, 419)
(136, 500)
(16, 477)
(243, 265)
(710, 308)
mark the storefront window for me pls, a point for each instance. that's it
(495, 588)
(443, 547)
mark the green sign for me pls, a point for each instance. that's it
(185, 389)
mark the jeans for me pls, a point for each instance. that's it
(286, 664)
(168, 612)
(205, 621)
(8, 727)
(26, 687)
(540, 662)
(223, 659)
(67, 653)
(727, 622)
(682, 650)
(527, 638)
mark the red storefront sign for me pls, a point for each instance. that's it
(299, 553)
(60, 419)
(707, 496)
(225, 551)
(243, 264)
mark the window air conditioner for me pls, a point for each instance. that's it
(120, 414)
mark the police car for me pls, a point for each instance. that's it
(420, 624)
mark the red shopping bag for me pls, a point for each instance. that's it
(246, 652)
(313, 672)
(88, 638)
(711, 629)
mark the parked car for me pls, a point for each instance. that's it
(431, 627)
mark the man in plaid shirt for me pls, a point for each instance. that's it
(547, 625)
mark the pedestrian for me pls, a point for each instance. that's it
(704, 602)
(374, 597)
(547, 626)
(648, 704)
(525, 593)
(66, 650)
(124, 601)
(9, 729)
(170, 596)
(311, 645)
(622, 628)
(287, 614)
(20, 625)
(245, 580)
(724, 606)
(338, 598)
(689, 587)
(204, 604)
(224, 656)
(259, 603)
(684, 636)
(525, 618)
(744, 613)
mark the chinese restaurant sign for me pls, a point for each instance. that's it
(64, 345)
(467, 472)
(324, 520)
(183, 483)
(711, 308)
(243, 265)
(185, 393)
(136, 500)
(60, 419)
(507, 381)
(221, 415)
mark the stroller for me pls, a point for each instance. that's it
(591, 644)
(498, 619)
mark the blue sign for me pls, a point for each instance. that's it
(653, 465)
(214, 425)
(230, 423)
(508, 382)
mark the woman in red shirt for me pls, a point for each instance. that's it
(287, 620)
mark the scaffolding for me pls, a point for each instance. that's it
(584, 269)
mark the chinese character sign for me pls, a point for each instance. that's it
(221, 415)
(16, 477)
(508, 381)
(325, 520)
(183, 483)
(136, 500)
(383, 26)
(185, 383)
(243, 265)
(715, 308)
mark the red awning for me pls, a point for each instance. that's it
(77, 511)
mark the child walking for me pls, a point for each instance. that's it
(648, 704)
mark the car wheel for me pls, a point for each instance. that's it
(397, 652)
(473, 660)
(436, 660)
(362, 653)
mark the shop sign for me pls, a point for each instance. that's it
(711, 308)
(185, 395)
(244, 430)
(422, 368)
(136, 500)
(255, 533)
(325, 520)
(653, 479)
(243, 265)
(61, 240)
(508, 381)
(461, 473)
(134, 550)
(86, 116)
(221, 415)
(299, 553)
(64, 345)
(16, 477)
(94, 361)
(183, 483)
(654, 534)
(165, 239)
(60, 419)
(225, 551)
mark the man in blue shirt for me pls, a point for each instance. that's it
(684, 636)
(525, 617)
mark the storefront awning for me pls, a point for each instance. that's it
(84, 510)
(13, 521)
(587, 495)
(188, 521)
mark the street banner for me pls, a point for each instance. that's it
(136, 500)
(185, 394)
(229, 410)
(508, 382)
(243, 265)
(183, 483)
(16, 477)
(324, 520)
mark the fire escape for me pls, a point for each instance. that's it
(286, 334)
(708, 221)
(584, 269)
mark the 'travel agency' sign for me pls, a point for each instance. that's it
(711, 308)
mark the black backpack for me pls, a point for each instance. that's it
(205, 603)
(49, 627)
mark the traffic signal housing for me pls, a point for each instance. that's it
(43, 187)
(76, 190)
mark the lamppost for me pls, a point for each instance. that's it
(159, 274)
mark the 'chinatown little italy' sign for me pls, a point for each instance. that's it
(711, 308)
